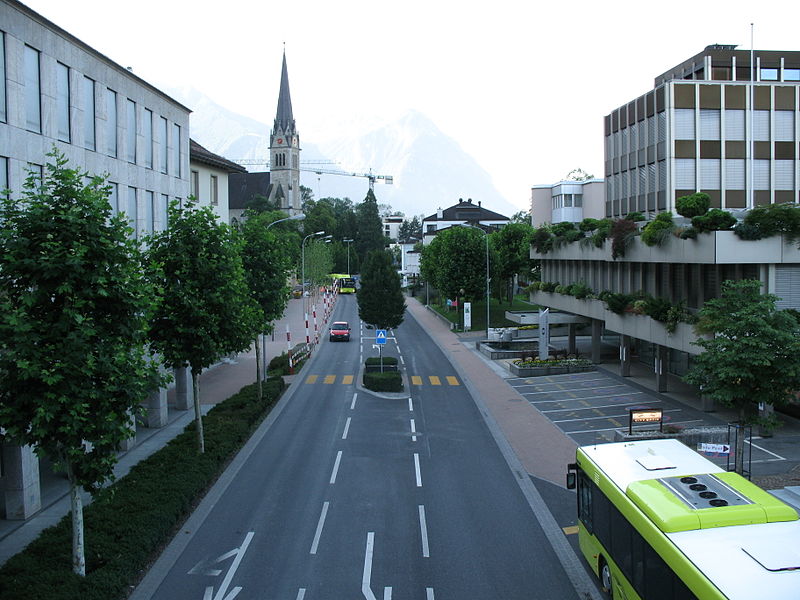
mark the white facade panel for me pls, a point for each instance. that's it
(684, 124)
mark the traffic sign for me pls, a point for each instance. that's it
(714, 448)
(380, 336)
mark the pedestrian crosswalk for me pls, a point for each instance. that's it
(416, 380)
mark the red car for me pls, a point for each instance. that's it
(340, 330)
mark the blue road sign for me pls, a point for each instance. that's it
(380, 336)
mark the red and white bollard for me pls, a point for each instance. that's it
(308, 340)
(316, 334)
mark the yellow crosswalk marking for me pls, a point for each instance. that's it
(452, 380)
(416, 380)
(311, 379)
(572, 530)
(434, 380)
(347, 379)
(329, 379)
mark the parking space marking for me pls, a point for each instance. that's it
(590, 398)
(606, 387)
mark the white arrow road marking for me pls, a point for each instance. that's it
(320, 525)
(222, 593)
(203, 567)
(367, 576)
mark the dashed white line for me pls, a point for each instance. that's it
(336, 466)
(367, 574)
(346, 428)
(353, 403)
(301, 593)
(429, 593)
(410, 405)
(413, 431)
(320, 525)
(416, 470)
(426, 552)
(402, 360)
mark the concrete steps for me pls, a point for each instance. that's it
(790, 494)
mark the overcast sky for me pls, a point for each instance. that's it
(522, 86)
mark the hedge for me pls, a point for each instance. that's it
(376, 360)
(388, 381)
(128, 524)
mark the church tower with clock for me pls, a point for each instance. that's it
(284, 152)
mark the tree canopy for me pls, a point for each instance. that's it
(456, 260)
(380, 298)
(73, 328)
(511, 252)
(370, 227)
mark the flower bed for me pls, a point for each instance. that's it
(536, 368)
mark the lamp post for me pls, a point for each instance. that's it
(485, 233)
(348, 242)
(303, 266)
(297, 217)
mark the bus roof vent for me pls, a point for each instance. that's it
(704, 491)
(654, 462)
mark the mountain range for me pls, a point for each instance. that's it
(429, 169)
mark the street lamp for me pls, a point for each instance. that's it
(485, 233)
(303, 265)
(297, 217)
(348, 242)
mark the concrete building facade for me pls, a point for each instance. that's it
(56, 91)
(567, 201)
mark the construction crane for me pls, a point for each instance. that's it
(387, 179)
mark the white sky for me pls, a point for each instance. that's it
(521, 85)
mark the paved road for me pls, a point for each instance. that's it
(352, 495)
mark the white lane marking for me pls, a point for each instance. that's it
(336, 467)
(765, 450)
(353, 403)
(429, 593)
(301, 593)
(402, 360)
(606, 417)
(416, 470)
(396, 345)
(413, 431)
(204, 566)
(209, 594)
(223, 589)
(410, 405)
(423, 527)
(547, 383)
(320, 525)
(346, 428)
(387, 593)
(367, 576)
(601, 387)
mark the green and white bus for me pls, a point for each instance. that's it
(657, 521)
(347, 284)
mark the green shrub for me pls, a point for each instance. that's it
(533, 287)
(542, 240)
(693, 205)
(589, 224)
(549, 286)
(747, 231)
(657, 230)
(580, 290)
(601, 233)
(562, 289)
(635, 216)
(391, 381)
(618, 302)
(562, 228)
(690, 233)
(622, 232)
(376, 360)
(657, 308)
(127, 524)
(771, 219)
(714, 220)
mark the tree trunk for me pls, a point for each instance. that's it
(738, 463)
(78, 551)
(198, 416)
(258, 367)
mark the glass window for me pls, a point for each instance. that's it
(734, 124)
(684, 124)
(132, 210)
(769, 74)
(578, 199)
(36, 171)
(195, 186)
(214, 190)
(2, 76)
(147, 134)
(791, 74)
(149, 212)
(761, 125)
(88, 114)
(111, 122)
(62, 101)
(130, 131)
(176, 150)
(161, 214)
(33, 96)
(162, 141)
(113, 198)
(3, 174)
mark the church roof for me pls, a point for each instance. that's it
(467, 211)
(284, 119)
(199, 154)
(243, 187)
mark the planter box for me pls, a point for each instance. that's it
(548, 370)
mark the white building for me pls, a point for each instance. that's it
(570, 201)
(458, 214)
(209, 179)
(56, 91)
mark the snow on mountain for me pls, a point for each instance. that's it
(430, 169)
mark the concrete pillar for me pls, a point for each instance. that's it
(571, 346)
(131, 441)
(156, 414)
(706, 403)
(660, 368)
(183, 388)
(625, 355)
(597, 339)
(23, 492)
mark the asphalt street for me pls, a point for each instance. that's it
(347, 494)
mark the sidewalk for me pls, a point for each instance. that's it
(217, 383)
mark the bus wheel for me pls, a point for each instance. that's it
(605, 579)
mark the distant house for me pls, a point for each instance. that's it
(458, 214)
(209, 174)
(391, 227)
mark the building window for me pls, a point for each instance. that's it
(88, 114)
(36, 172)
(791, 74)
(33, 96)
(147, 134)
(684, 124)
(161, 213)
(111, 122)
(113, 198)
(195, 186)
(176, 150)
(130, 126)
(3, 117)
(734, 124)
(162, 135)
(761, 125)
(132, 210)
(214, 191)
(62, 101)
(769, 74)
(149, 212)
(3, 173)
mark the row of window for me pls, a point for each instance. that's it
(146, 210)
(154, 129)
(213, 188)
(770, 74)
(644, 180)
(706, 174)
(708, 126)
(567, 201)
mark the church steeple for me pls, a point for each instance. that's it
(284, 120)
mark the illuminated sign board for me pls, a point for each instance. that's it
(643, 416)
